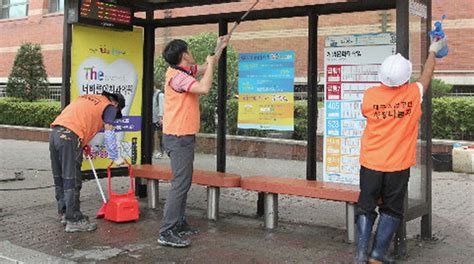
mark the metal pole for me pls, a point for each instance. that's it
(66, 67)
(222, 103)
(147, 96)
(153, 193)
(350, 222)
(426, 220)
(271, 210)
(403, 37)
(213, 202)
(403, 29)
(312, 95)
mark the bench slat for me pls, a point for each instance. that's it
(301, 187)
(209, 178)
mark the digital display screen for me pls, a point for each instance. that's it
(105, 14)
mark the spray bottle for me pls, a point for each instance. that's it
(438, 34)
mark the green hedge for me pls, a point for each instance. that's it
(300, 115)
(453, 118)
(34, 114)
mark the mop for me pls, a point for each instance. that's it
(101, 212)
(236, 23)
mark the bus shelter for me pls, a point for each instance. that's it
(408, 26)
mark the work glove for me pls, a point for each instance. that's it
(119, 161)
(437, 45)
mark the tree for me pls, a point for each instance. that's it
(202, 45)
(440, 88)
(28, 79)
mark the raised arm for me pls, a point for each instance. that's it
(428, 68)
(204, 85)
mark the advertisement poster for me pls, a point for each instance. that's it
(351, 65)
(112, 61)
(266, 91)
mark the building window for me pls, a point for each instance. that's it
(13, 8)
(56, 6)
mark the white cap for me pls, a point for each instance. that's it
(395, 70)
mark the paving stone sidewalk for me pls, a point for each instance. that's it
(310, 231)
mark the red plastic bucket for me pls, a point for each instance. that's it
(121, 207)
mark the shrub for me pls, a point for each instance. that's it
(28, 79)
(300, 121)
(453, 118)
(36, 114)
(232, 113)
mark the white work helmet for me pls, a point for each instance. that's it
(395, 70)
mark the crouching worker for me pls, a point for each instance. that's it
(71, 131)
(388, 150)
(181, 121)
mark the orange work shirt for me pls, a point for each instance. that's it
(83, 116)
(181, 115)
(389, 140)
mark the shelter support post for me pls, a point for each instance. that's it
(222, 103)
(312, 94)
(147, 104)
(66, 67)
(403, 42)
(426, 220)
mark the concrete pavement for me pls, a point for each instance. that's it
(310, 231)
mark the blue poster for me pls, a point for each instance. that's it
(266, 90)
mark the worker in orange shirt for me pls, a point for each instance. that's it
(71, 131)
(181, 122)
(388, 150)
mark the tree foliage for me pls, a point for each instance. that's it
(28, 79)
(201, 46)
(440, 88)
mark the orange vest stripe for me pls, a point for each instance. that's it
(390, 136)
(84, 116)
(181, 113)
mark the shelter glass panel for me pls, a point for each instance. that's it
(417, 186)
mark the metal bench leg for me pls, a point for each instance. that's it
(271, 210)
(213, 202)
(153, 193)
(350, 222)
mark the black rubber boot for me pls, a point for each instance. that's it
(364, 230)
(385, 230)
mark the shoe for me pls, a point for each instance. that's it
(83, 225)
(364, 231)
(172, 239)
(158, 155)
(385, 230)
(184, 229)
(62, 219)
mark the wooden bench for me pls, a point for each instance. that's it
(272, 186)
(213, 180)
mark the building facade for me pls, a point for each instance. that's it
(41, 22)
